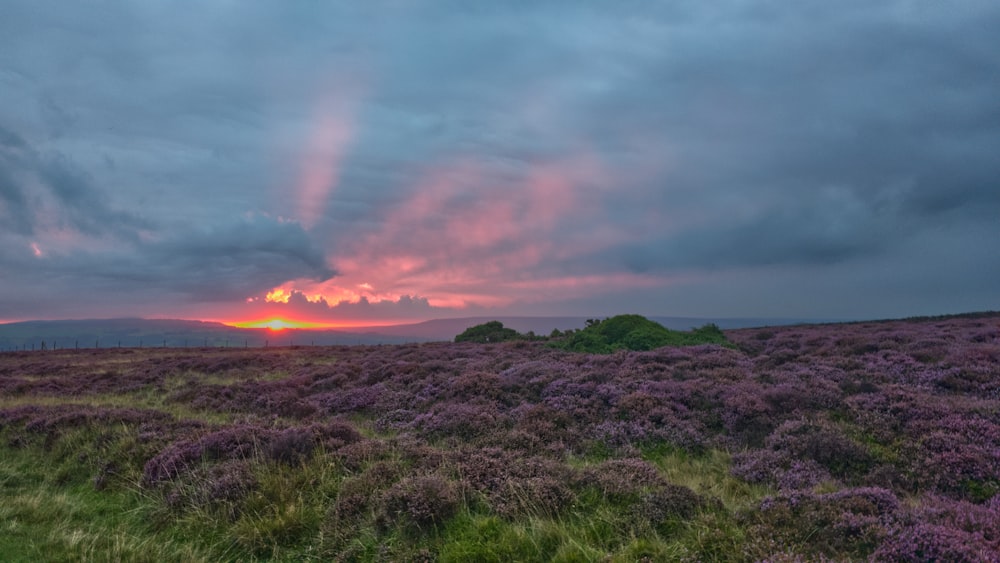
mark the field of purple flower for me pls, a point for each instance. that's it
(860, 441)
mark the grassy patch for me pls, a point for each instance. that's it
(42, 520)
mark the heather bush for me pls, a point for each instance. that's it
(291, 446)
(423, 501)
(514, 485)
(824, 443)
(335, 434)
(980, 521)
(356, 455)
(237, 442)
(663, 506)
(778, 469)
(545, 422)
(930, 542)
(747, 416)
(357, 498)
(643, 499)
(219, 489)
(851, 521)
(622, 478)
(459, 420)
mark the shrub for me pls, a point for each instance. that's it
(635, 332)
(823, 443)
(492, 331)
(238, 442)
(516, 485)
(778, 468)
(850, 521)
(220, 488)
(291, 446)
(668, 502)
(424, 501)
(930, 542)
(622, 479)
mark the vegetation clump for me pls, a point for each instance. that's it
(635, 332)
(492, 331)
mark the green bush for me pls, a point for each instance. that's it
(492, 331)
(635, 332)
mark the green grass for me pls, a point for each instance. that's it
(706, 474)
(51, 511)
(44, 520)
(598, 533)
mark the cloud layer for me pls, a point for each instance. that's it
(404, 160)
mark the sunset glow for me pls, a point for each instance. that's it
(279, 324)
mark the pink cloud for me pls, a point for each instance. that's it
(469, 238)
(334, 128)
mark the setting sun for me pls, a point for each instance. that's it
(278, 324)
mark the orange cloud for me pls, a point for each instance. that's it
(277, 295)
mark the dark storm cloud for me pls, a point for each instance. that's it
(769, 141)
(28, 179)
(233, 261)
(224, 263)
(15, 212)
(228, 261)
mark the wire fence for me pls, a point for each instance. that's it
(43, 345)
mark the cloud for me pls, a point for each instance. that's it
(480, 155)
(47, 191)
(298, 305)
(227, 261)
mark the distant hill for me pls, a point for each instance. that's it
(446, 329)
(132, 333)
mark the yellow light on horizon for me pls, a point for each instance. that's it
(277, 324)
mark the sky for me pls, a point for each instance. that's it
(377, 162)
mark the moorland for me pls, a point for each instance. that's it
(861, 441)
